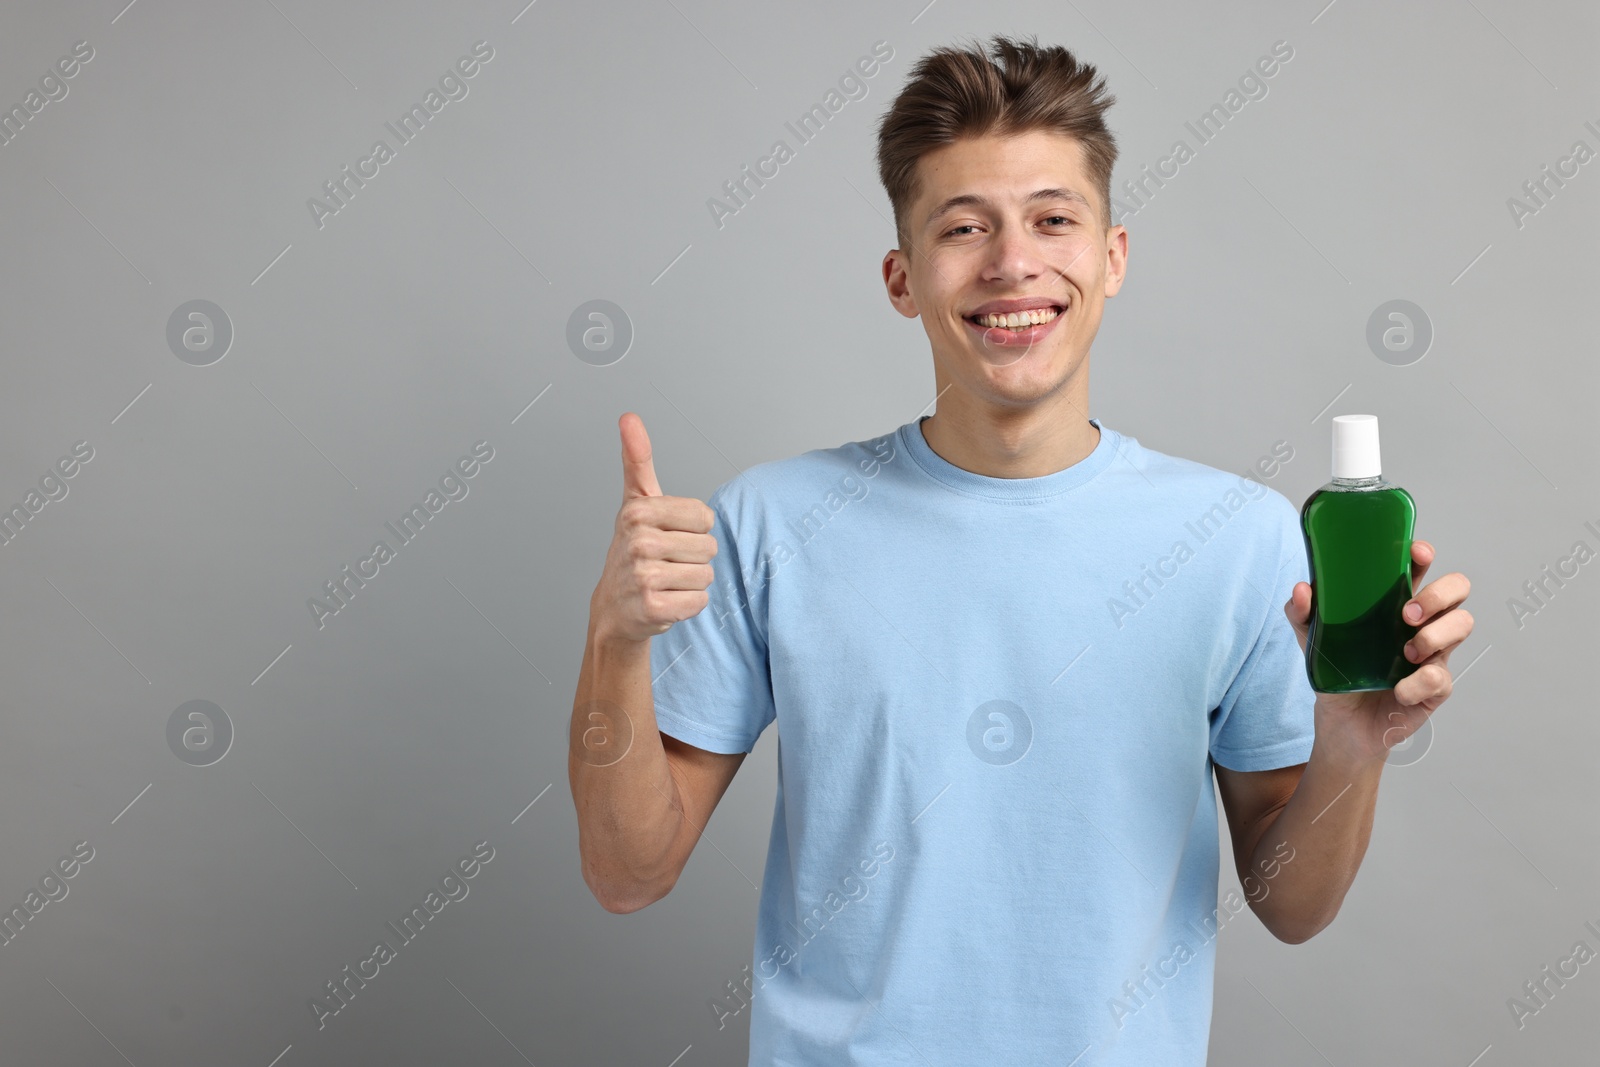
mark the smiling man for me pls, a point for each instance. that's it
(995, 834)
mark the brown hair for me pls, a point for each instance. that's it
(954, 93)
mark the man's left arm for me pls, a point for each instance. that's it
(1299, 833)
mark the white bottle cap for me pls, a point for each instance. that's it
(1355, 446)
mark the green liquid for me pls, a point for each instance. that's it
(1358, 542)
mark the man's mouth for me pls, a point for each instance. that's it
(1020, 328)
(1018, 321)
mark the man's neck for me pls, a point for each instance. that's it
(1027, 443)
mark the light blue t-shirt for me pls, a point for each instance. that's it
(998, 702)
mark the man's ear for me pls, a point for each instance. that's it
(897, 282)
(1116, 259)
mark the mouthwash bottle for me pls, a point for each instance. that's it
(1358, 541)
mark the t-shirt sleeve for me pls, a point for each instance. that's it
(711, 680)
(1266, 718)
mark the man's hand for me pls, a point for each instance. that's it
(658, 568)
(1364, 726)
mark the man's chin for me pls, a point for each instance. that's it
(1020, 383)
(1000, 356)
(1019, 392)
(1045, 359)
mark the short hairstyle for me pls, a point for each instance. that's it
(1018, 87)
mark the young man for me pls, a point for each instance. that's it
(1006, 647)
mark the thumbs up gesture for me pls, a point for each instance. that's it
(658, 568)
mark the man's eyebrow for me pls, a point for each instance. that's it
(974, 200)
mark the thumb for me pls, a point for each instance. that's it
(1298, 610)
(638, 467)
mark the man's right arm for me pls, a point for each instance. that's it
(640, 814)
(640, 817)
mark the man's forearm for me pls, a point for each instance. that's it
(1327, 823)
(628, 809)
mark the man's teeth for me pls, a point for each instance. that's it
(1017, 319)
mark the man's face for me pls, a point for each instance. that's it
(1025, 226)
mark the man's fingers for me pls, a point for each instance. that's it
(685, 577)
(1442, 634)
(1422, 554)
(1441, 594)
(680, 604)
(658, 569)
(676, 546)
(1429, 686)
(1298, 611)
(683, 513)
(638, 466)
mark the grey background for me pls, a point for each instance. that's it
(369, 354)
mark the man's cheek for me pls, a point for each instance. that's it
(1075, 257)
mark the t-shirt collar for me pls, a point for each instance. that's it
(1008, 489)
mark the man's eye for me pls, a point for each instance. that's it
(1056, 220)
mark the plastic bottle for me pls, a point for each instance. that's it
(1358, 531)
